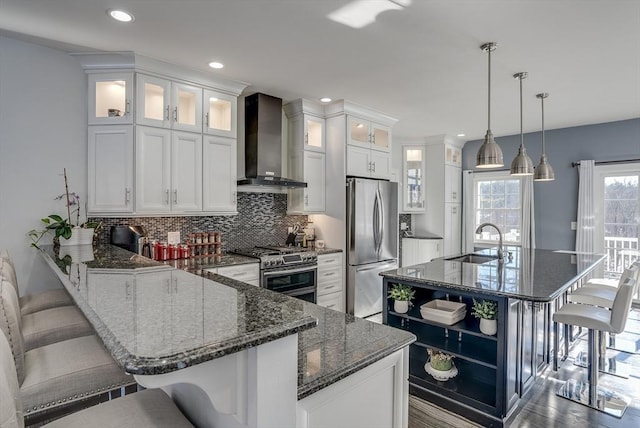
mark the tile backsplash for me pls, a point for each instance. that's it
(261, 220)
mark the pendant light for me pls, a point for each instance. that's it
(489, 154)
(544, 171)
(521, 164)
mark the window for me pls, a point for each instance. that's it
(617, 209)
(497, 200)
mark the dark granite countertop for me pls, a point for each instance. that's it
(155, 318)
(534, 275)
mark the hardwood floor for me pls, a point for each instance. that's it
(541, 407)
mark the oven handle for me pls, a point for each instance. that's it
(282, 272)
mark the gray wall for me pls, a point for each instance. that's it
(556, 202)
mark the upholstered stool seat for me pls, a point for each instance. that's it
(34, 302)
(59, 374)
(148, 408)
(597, 319)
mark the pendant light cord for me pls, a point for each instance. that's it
(521, 128)
(544, 151)
(489, 92)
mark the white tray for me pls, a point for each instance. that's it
(443, 311)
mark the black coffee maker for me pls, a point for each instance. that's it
(132, 238)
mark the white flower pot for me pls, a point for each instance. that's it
(401, 306)
(79, 236)
(488, 327)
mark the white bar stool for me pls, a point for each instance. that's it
(603, 296)
(597, 319)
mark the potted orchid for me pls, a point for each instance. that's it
(67, 232)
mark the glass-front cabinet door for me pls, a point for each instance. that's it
(413, 174)
(110, 97)
(380, 137)
(313, 133)
(359, 132)
(153, 101)
(220, 114)
(186, 101)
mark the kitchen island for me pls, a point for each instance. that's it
(232, 354)
(493, 372)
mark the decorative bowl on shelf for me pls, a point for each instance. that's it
(443, 311)
(441, 375)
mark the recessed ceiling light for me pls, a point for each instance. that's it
(461, 135)
(120, 15)
(215, 64)
(325, 100)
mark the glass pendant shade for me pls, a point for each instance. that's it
(544, 171)
(489, 154)
(522, 164)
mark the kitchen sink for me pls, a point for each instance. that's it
(473, 258)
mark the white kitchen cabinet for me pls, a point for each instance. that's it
(375, 396)
(310, 199)
(248, 273)
(169, 171)
(110, 98)
(330, 284)
(416, 250)
(220, 113)
(443, 190)
(413, 176)
(306, 160)
(110, 169)
(452, 184)
(368, 134)
(452, 229)
(368, 148)
(219, 175)
(167, 104)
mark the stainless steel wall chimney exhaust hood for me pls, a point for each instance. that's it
(263, 143)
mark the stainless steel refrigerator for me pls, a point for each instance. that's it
(372, 242)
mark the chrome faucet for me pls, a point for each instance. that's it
(500, 251)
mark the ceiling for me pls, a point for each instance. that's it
(421, 63)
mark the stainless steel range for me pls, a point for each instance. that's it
(288, 270)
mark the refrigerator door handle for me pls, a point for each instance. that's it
(378, 267)
(376, 220)
(381, 221)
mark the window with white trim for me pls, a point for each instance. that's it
(497, 200)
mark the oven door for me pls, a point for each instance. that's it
(297, 282)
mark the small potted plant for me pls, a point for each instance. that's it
(487, 311)
(66, 232)
(440, 365)
(402, 295)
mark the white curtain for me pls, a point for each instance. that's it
(528, 236)
(586, 233)
(468, 212)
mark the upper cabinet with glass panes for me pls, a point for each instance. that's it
(368, 134)
(110, 98)
(166, 104)
(219, 113)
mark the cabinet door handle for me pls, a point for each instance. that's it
(127, 195)
(207, 119)
(373, 139)
(167, 113)
(166, 196)
(329, 274)
(234, 197)
(374, 166)
(306, 200)
(175, 114)
(306, 139)
(331, 306)
(175, 196)
(329, 287)
(454, 195)
(328, 261)
(127, 107)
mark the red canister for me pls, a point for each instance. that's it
(186, 253)
(157, 250)
(164, 251)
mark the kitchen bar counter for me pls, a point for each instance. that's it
(156, 319)
(493, 371)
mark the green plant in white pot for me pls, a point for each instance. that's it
(64, 229)
(487, 311)
(402, 296)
